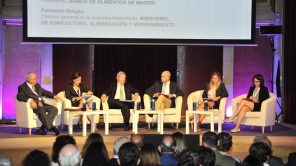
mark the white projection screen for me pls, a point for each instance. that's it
(184, 22)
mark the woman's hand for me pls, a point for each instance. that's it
(89, 93)
(216, 98)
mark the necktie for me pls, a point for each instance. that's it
(121, 93)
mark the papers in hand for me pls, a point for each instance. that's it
(208, 99)
(247, 99)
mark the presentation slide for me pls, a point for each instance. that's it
(140, 19)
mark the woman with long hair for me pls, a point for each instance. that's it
(256, 95)
(213, 93)
(93, 137)
(149, 156)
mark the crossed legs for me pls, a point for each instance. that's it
(240, 112)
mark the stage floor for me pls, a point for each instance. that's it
(16, 146)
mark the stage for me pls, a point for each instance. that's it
(16, 146)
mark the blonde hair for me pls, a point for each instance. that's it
(215, 73)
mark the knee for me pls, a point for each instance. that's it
(161, 97)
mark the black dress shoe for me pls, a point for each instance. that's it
(41, 132)
(55, 130)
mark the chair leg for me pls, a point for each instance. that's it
(177, 126)
(262, 129)
(172, 125)
(148, 126)
(20, 130)
(270, 128)
(252, 128)
(30, 131)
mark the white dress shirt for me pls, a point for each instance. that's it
(165, 88)
(117, 94)
(31, 87)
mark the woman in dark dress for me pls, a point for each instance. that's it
(214, 92)
(256, 95)
(77, 93)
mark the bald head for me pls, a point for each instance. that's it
(31, 78)
(165, 76)
(69, 155)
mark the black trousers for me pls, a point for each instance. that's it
(46, 115)
(124, 106)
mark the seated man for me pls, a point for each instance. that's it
(167, 151)
(164, 92)
(32, 91)
(117, 94)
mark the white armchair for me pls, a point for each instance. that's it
(67, 104)
(197, 95)
(115, 115)
(266, 116)
(25, 118)
(170, 115)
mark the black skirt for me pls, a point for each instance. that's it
(257, 107)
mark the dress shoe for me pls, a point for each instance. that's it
(55, 130)
(235, 130)
(41, 132)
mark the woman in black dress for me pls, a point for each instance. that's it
(257, 94)
(77, 93)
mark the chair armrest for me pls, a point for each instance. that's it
(268, 108)
(147, 101)
(178, 102)
(222, 107)
(24, 112)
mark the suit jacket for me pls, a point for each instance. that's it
(71, 93)
(222, 160)
(263, 93)
(25, 92)
(129, 90)
(292, 159)
(167, 159)
(157, 88)
(221, 91)
(113, 162)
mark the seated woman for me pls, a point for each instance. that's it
(77, 93)
(214, 91)
(257, 94)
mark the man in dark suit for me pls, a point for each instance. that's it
(32, 91)
(117, 94)
(164, 92)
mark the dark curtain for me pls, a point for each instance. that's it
(68, 59)
(290, 61)
(142, 64)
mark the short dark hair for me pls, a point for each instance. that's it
(128, 154)
(73, 77)
(261, 151)
(96, 155)
(260, 78)
(210, 138)
(188, 158)
(59, 143)
(36, 158)
(251, 161)
(224, 141)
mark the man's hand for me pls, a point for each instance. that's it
(156, 94)
(135, 96)
(171, 95)
(57, 98)
(103, 97)
(33, 104)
